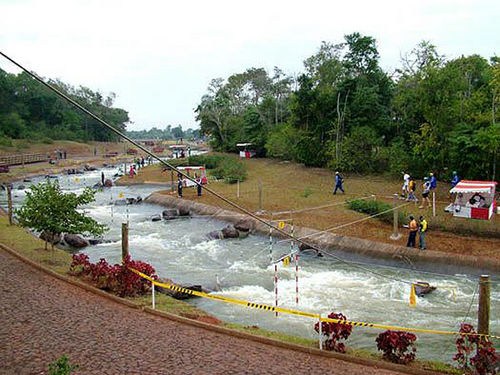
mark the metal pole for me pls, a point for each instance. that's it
(260, 195)
(320, 333)
(271, 245)
(9, 202)
(483, 313)
(276, 286)
(125, 251)
(296, 279)
(153, 301)
(395, 231)
(433, 203)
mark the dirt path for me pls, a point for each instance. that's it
(43, 318)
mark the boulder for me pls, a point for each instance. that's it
(97, 186)
(423, 288)
(51, 176)
(138, 199)
(108, 183)
(230, 232)
(170, 213)
(183, 211)
(52, 238)
(76, 241)
(156, 217)
(95, 241)
(26, 180)
(89, 168)
(21, 187)
(131, 200)
(121, 202)
(244, 225)
(304, 246)
(181, 295)
(215, 235)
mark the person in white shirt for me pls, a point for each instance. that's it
(406, 183)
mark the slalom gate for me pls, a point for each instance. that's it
(305, 314)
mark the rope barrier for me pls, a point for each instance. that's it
(276, 309)
(320, 207)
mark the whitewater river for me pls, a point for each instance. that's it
(179, 250)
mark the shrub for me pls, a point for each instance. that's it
(62, 366)
(484, 360)
(5, 141)
(209, 161)
(398, 346)
(224, 167)
(117, 279)
(334, 332)
(373, 207)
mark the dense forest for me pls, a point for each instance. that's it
(31, 111)
(168, 133)
(344, 112)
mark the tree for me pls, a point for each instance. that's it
(48, 209)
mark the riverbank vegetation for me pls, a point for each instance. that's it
(345, 112)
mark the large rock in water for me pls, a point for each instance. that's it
(244, 225)
(108, 183)
(156, 218)
(230, 232)
(183, 211)
(76, 241)
(170, 213)
(423, 288)
(52, 238)
(215, 235)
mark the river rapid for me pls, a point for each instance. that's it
(180, 250)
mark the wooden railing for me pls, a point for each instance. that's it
(17, 159)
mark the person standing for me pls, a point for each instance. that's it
(413, 227)
(412, 187)
(198, 186)
(406, 184)
(422, 226)
(454, 179)
(433, 181)
(339, 180)
(179, 188)
(426, 188)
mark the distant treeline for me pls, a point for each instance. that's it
(168, 133)
(345, 112)
(31, 111)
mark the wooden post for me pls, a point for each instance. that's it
(172, 188)
(395, 230)
(260, 195)
(483, 313)
(9, 202)
(433, 203)
(125, 251)
(237, 188)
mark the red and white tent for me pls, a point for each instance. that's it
(475, 199)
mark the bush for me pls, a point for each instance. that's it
(398, 346)
(485, 359)
(5, 141)
(374, 207)
(334, 332)
(62, 367)
(117, 279)
(224, 167)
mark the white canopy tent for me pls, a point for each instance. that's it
(474, 199)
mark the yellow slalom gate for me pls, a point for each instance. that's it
(301, 313)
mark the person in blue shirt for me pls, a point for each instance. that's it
(433, 181)
(338, 183)
(454, 179)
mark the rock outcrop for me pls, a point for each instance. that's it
(75, 240)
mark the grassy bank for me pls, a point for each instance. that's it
(289, 186)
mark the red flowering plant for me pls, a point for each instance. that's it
(398, 346)
(484, 362)
(118, 278)
(334, 332)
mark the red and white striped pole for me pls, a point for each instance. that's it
(276, 286)
(297, 279)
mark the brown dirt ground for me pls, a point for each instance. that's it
(289, 186)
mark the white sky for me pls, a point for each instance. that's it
(159, 56)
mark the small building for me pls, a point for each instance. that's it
(246, 150)
(474, 199)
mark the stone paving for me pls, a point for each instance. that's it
(42, 318)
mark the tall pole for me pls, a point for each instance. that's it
(260, 195)
(395, 230)
(125, 251)
(433, 203)
(276, 286)
(172, 181)
(483, 313)
(9, 202)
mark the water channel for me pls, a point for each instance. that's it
(179, 250)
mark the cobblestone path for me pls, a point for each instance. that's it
(42, 318)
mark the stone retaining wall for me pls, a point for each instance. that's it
(332, 241)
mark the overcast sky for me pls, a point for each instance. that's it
(159, 56)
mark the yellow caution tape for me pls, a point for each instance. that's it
(299, 313)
